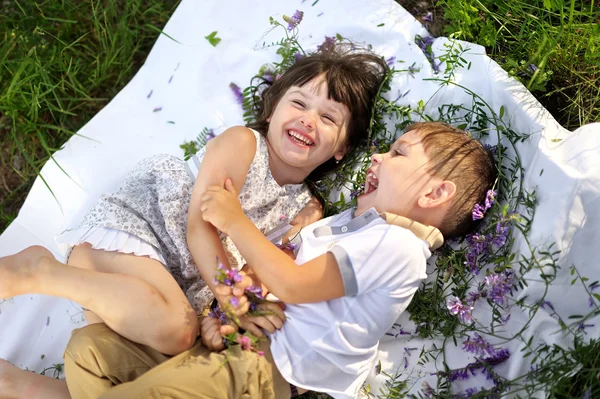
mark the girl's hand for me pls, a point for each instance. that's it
(234, 296)
(212, 332)
(221, 207)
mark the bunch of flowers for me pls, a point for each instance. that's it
(225, 313)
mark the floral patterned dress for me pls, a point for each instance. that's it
(150, 210)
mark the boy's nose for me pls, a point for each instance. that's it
(376, 158)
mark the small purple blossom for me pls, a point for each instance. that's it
(582, 326)
(390, 61)
(478, 346)
(157, 109)
(587, 394)
(260, 353)
(428, 17)
(268, 77)
(327, 44)
(456, 307)
(294, 20)
(237, 92)
(499, 238)
(499, 285)
(210, 134)
(490, 197)
(532, 68)
(256, 291)
(478, 212)
(425, 44)
(217, 313)
(235, 302)
(298, 56)
(545, 303)
(150, 94)
(319, 14)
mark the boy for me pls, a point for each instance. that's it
(359, 271)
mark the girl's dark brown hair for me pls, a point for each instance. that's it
(353, 77)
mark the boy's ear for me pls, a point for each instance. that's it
(441, 193)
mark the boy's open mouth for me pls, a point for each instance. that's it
(300, 138)
(371, 183)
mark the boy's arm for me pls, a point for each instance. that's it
(217, 165)
(317, 280)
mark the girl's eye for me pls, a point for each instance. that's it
(329, 118)
(299, 103)
(396, 153)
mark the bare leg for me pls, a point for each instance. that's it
(20, 384)
(136, 297)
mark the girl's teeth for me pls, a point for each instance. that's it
(300, 137)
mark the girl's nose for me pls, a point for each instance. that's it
(307, 121)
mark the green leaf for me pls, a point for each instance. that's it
(380, 25)
(501, 111)
(213, 39)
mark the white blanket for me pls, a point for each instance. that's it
(189, 84)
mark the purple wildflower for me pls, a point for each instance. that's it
(427, 390)
(319, 14)
(253, 307)
(244, 342)
(461, 374)
(497, 358)
(532, 68)
(478, 212)
(499, 238)
(210, 134)
(294, 20)
(428, 17)
(237, 92)
(298, 56)
(500, 284)
(235, 301)
(472, 297)
(478, 346)
(583, 326)
(456, 307)
(490, 197)
(157, 109)
(390, 61)
(594, 285)
(260, 353)
(150, 94)
(587, 394)
(327, 44)
(268, 77)
(171, 79)
(591, 301)
(545, 303)
(217, 313)
(256, 291)
(493, 149)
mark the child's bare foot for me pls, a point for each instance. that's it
(17, 271)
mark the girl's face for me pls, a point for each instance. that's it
(307, 128)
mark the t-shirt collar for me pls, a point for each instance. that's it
(431, 234)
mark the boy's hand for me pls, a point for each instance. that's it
(312, 212)
(221, 207)
(212, 332)
(271, 321)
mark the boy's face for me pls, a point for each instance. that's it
(396, 180)
(307, 128)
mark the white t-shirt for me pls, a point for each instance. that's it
(331, 346)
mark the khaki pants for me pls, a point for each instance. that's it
(99, 363)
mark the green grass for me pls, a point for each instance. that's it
(60, 63)
(561, 38)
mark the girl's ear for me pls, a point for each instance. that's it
(268, 119)
(340, 154)
(441, 193)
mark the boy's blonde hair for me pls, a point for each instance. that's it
(457, 157)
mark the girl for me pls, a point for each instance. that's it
(130, 258)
